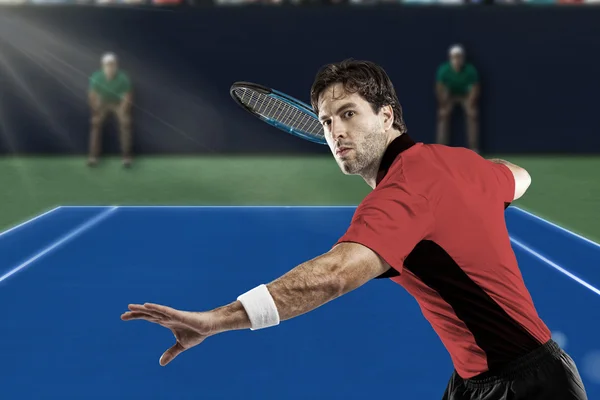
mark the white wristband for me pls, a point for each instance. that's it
(260, 307)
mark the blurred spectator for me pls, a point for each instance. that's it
(39, 2)
(419, 1)
(166, 2)
(441, 2)
(110, 93)
(458, 84)
(235, 2)
(69, 2)
(112, 2)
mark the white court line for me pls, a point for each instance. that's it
(557, 226)
(28, 221)
(104, 206)
(69, 236)
(554, 265)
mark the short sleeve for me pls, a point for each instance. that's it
(391, 222)
(126, 83)
(93, 82)
(439, 76)
(473, 75)
(505, 180)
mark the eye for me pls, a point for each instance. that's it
(349, 114)
(327, 122)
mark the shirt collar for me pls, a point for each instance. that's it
(397, 146)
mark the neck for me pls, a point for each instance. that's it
(369, 174)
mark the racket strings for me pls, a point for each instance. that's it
(280, 111)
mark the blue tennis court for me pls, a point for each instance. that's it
(67, 276)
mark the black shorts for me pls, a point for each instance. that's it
(547, 373)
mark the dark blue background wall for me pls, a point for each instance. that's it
(538, 68)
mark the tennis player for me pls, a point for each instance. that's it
(434, 224)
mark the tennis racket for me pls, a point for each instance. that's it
(279, 110)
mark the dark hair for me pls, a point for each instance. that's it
(367, 79)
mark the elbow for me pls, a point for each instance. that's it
(338, 284)
(339, 287)
(347, 280)
(339, 281)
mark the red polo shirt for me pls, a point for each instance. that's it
(437, 217)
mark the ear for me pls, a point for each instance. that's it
(387, 115)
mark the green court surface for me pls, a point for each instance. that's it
(565, 190)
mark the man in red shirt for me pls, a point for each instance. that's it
(434, 224)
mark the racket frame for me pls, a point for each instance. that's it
(283, 97)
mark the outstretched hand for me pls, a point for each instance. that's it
(190, 328)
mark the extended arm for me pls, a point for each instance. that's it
(310, 285)
(379, 223)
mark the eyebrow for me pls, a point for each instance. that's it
(344, 107)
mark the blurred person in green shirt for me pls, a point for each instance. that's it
(457, 83)
(110, 93)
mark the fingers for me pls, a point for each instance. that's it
(168, 311)
(131, 315)
(170, 354)
(152, 311)
(153, 308)
(162, 315)
(140, 312)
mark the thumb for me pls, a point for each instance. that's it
(170, 354)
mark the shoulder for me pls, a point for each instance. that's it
(96, 75)
(411, 168)
(444, 67)
(470, 68)
(397, 207)
(447, 157)
(404, 182)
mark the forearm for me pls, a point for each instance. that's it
(441, 93)
(303, 289)
(307, 287)
(93, 99)
(310, 285)
(474, 94)
(126, 101)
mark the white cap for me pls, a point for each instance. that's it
(456, 49)
(109, 57)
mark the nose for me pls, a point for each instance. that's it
(337, 130)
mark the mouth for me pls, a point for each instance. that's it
(342, 151)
